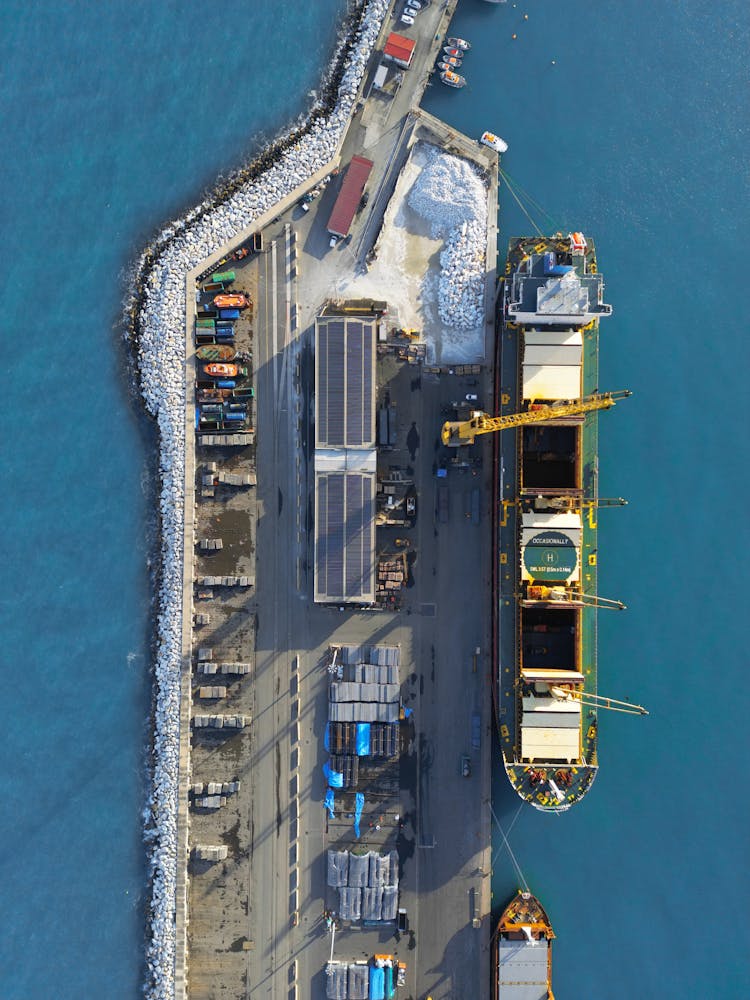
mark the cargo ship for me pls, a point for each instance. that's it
(522, 951)
(546, 493)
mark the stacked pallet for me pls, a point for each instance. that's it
(240, 669)
(207, 852)
(226, 581)
(220, 721)
(367, 884)
(363, 709)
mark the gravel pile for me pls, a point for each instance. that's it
(156, 321)
(452, 197)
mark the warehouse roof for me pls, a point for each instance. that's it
(345, 537)
(344, 382)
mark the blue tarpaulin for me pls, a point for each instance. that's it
(326, 738)
(359, 804)
(329, 802)
(390, 991)
(334, 778)
(377, 983)
(408, 712)
(363, 739)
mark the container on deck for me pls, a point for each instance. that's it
(205, 324)
(229, 314)
(226, 277)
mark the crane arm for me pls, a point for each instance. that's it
(464, 431)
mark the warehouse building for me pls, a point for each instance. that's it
(345, 460)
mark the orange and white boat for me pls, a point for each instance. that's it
(216, 370)
(232, 300)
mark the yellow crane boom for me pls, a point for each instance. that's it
(457, 432)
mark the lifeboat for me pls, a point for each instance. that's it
(232, 300)
(494, 142)
(220, 370)
(452, 79)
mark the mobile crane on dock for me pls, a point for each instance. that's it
(459, 432)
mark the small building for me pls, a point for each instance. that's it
(399, 49)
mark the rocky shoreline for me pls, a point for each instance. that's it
(155, 322)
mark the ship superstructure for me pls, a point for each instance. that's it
(546, 530)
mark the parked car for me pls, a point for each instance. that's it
(465, 766)
(471, 397)
(406, 19)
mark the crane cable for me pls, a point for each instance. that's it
(513, 858)
(535, 204)
(520, 204)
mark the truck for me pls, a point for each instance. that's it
(347, 202)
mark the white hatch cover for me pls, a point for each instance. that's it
(552, 364)
(551, 744)
(548, 676)
(550, 547)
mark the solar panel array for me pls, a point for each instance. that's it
(345, 536)
(345, 380)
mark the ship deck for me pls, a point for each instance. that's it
(508, 555)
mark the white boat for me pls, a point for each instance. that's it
(452, 79)
(458, 43)
(494, 142)
(450, 63)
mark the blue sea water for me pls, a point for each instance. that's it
(638, 136)
(118, 116)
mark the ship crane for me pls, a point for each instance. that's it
(561, 595)
(587, 699)
(458, 432)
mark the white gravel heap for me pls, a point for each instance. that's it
(161, 360)
(451, 196)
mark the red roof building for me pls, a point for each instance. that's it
(399, 49)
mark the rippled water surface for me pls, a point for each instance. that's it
(638, 136)
(116, 116)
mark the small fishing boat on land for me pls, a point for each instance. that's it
(215, 352)
(223, 277)
(459, 43)
(232, 300)
(219, 370)
(451, 79)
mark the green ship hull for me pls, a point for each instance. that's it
(545, 523)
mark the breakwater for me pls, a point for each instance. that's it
(156, 320)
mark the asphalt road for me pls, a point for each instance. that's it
(445, 837)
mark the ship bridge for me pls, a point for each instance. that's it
(558, 287)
